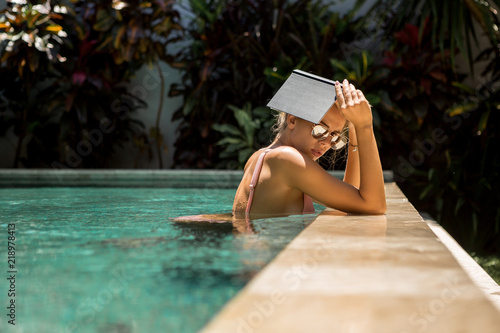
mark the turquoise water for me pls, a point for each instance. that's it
(110, 260)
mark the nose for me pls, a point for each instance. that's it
(326, 143)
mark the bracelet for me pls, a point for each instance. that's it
(355, 147)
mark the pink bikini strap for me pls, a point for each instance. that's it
(255, 179)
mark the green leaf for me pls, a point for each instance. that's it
(483, 181)
(228, 141)
(188, 106)
(483, 121)
(463, 87)
(262, 112)
(365, 62)
(104, 20)
(337, 64)
(474, 225)
(244, 119)
(226, 129)
(458, 205)
(232, 148)
(430, 174)
(269, 72)
(459, 109)
(425, 191)
(244, 154)
(374, 99)
(497, 222)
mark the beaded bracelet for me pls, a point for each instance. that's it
(355, 147)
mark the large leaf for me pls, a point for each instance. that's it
(104, 20)
(226, 129)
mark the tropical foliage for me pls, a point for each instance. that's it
(239, 141)
(453, 22)
(66, 64)
(463, 190)
(239, 52)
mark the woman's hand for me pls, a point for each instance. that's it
(353, 104)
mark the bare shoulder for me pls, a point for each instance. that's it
(298, 170)
(286, 156)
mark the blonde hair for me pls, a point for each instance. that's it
(279, 126)
(333, 156)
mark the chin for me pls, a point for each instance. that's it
(315, 158)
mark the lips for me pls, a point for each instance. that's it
(316, 153)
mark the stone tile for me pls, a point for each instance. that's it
(351, 273)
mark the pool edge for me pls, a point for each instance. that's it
(177, 178)
(259, 306)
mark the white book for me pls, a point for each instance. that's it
(305, 95)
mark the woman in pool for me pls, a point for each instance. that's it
(282, 179)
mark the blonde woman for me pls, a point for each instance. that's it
(284, 178)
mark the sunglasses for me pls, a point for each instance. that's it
(321, 133)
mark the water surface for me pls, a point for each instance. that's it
(110, 260)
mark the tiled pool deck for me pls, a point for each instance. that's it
(362, 274)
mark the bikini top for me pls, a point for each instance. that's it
(308, 204)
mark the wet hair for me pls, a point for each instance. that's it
(331, 158)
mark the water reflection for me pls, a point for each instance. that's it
(240, 224)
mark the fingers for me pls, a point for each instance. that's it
(361, 96)
(348, 93)
(340, 96)
(355, 96)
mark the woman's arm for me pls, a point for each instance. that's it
(357, 110)
(351, 174)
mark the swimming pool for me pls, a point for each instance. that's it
(94, 259)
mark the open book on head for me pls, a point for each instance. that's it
(305, 95)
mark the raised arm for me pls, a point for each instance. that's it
(357, 110)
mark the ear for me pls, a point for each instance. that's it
(291, 121)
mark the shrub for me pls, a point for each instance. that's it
(68, 64)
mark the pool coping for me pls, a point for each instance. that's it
(477, 274)
(360, 273)
(181, 178)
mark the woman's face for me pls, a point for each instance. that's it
(302, 139)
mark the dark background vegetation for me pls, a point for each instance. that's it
(65, 68)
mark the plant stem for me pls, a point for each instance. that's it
(158, 115)
(20, 139)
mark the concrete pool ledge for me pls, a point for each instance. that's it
(185, 178)
(362, 274)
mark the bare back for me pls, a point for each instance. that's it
(272, 196)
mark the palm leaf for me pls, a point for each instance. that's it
(452, 21)
(340, 66)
